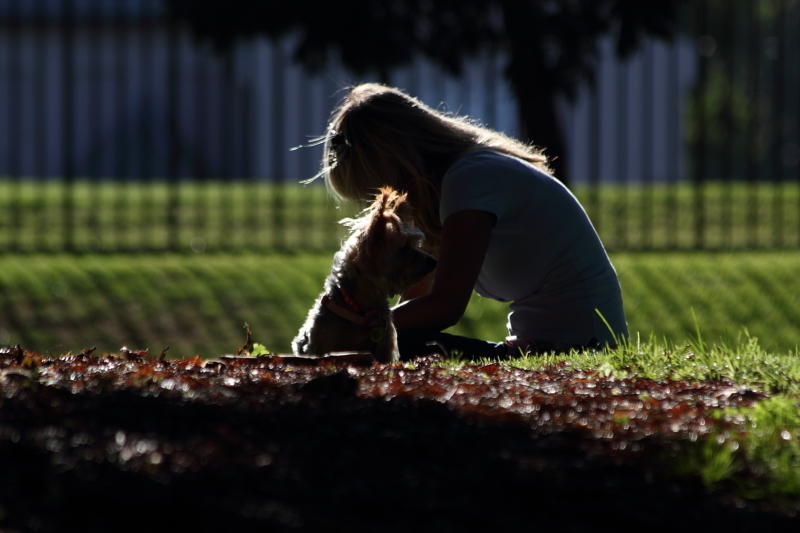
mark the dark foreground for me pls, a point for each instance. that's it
(132, 443)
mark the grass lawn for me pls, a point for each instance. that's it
(198, 303)
(250, 215)
(693, 317)
(756, 458)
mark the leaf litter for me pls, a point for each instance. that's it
(341, 431)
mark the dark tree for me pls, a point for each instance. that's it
(551, 44)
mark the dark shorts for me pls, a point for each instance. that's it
(414, 342)
(417, 342)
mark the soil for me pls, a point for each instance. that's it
(129, 442)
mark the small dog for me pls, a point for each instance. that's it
(380, 259)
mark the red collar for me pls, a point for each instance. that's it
(368, 319)
(349, 301)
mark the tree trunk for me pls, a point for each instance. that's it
(534, 86)
(539, 124)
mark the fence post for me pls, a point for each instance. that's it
(44, 219)
(227, 110)
(145, 141)
(778, 125)
(594, 159)
(199, 160)
(175, 144)
(93, 225)
(251, 180)
(729, 150)
(122, 153)
(752, 169)
(68, 127)
(278, 167)
(648, 75)
(15, 80)
(620, 206)
(676, 130)
(796, 18)
(701, 144)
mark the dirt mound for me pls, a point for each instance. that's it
(130, 442)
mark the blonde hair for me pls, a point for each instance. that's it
(379, 136)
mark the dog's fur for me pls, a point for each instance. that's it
(380, 259)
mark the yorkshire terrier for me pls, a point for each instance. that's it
(380, 259)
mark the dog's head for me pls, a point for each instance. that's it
(384, 249)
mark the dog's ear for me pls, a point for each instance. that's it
(403, 209)
(392, 203)
(393, 200)
(389, 202)
(383, 200)
(379, 226)
(395, 209)
(376, 233)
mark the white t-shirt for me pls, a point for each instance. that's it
(544, 255)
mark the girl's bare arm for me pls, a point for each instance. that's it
(465, 239)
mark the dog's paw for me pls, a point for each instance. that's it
(300, 343)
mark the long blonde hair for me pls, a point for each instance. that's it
(380, 136)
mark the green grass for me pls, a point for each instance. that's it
(714, 215)
(198, 303)
(744, 362)
(759, 463)
(257, 216)
(728, 293)
(693, 316)
(157, 216)
(758, 458)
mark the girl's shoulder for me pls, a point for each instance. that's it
(484, 180)
(484, 160)
(484, 155)
(478, 158)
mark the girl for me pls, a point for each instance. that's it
(494, 217)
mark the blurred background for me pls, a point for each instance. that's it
(151, 153)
